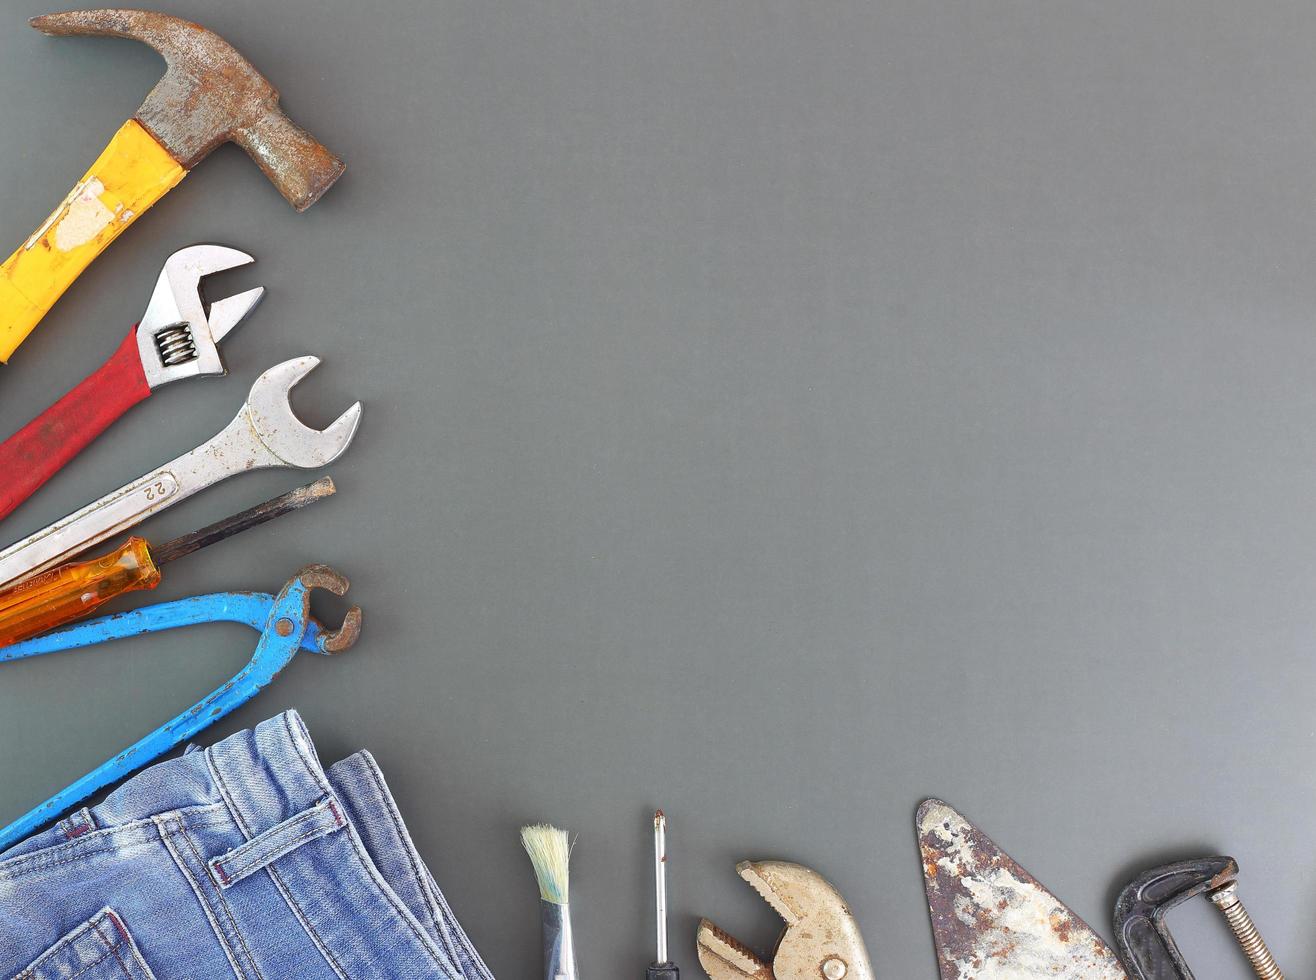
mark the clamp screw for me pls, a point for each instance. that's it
(834, 968)
(1245, 931)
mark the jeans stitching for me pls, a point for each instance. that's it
(228, 912)
(249, 846)
(113, 947)
(138, 969)
(325, 950)
(90, 966)
(435, 904)
(192, 882)
(71, 939)
(319, 779)
(283, 850)
(227, 794)
(231, 803)
(382, 887)
(264, 859)
(322, 782)
(387, 798)
(81, 847)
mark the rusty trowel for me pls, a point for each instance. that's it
(991, 918)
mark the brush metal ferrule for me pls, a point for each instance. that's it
(559, 949)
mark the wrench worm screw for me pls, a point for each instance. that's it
(175, 345)
(1245, 931)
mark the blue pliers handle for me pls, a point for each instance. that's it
(285, 625)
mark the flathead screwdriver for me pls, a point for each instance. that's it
(661, 968)
(71, 591)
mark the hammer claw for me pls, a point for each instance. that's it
(140, 25)
(209, 94)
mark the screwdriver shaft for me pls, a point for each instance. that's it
(661, 968)
(69, 592)
(660, 880)
(249, 518)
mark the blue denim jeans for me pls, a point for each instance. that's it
(248, 860)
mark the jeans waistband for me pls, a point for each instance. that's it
(263, 775)
(267, 774)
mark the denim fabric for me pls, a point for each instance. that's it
(248, 860)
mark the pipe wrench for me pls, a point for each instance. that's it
(175, 339)
(821, 940)
(264, 434)
(285, 624)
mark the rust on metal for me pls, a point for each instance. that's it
(210, 94)
(991, 919)
(331, 580)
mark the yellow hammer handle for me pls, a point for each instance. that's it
(132, 174)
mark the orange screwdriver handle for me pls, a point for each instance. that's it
(71, 591)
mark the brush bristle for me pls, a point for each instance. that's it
(550, 853)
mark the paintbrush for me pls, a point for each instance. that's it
(550, 853)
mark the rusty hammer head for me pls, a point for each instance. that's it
(209, 95)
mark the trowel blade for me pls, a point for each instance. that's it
(991, 919)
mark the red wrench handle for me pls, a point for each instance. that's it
(36, 452)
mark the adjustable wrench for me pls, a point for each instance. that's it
(264, 434)
(174, 340)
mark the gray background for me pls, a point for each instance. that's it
(776, 412)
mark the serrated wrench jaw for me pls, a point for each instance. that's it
(724, 957)
(286, 437)
(175, 338)
(821, 940)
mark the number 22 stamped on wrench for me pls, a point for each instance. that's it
(265, 434)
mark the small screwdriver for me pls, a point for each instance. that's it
(70, 591)
(661, 968)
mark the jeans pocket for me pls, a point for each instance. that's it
(99, 949)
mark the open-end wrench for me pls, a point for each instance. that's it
(264, 434)
(174, 340)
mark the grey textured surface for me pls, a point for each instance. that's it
(776, 412)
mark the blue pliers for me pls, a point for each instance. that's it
(285, 625)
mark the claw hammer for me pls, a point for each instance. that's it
(210, 94)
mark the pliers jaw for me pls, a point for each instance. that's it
(328, 641)
(821, 940)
